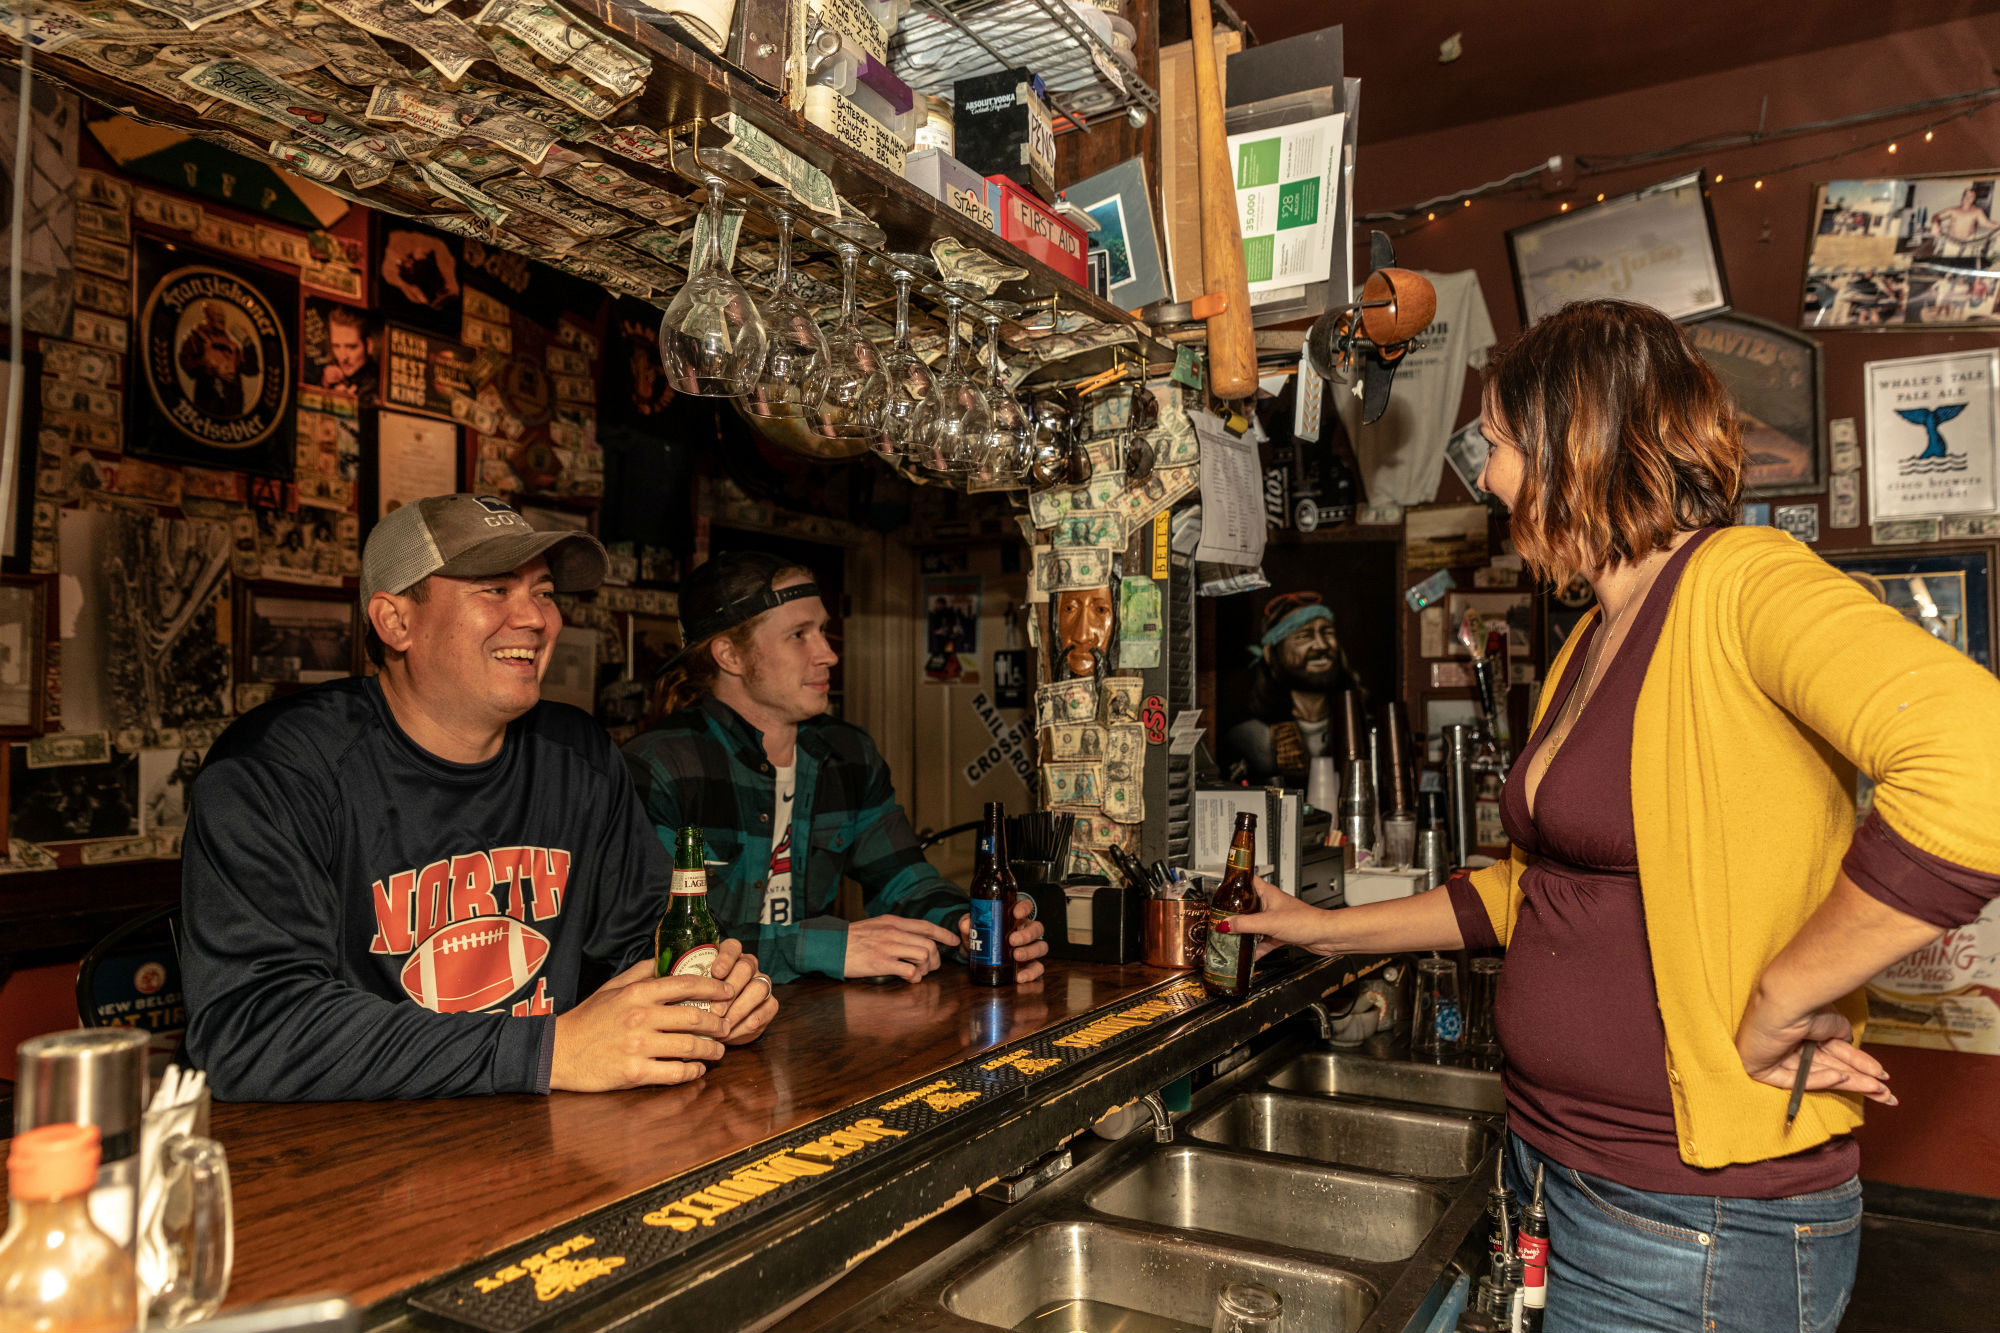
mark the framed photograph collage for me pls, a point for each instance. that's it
(1904, 252)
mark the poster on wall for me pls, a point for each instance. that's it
(1656, 247)
(1932, 436)
(48, 213)
(1904, 251)
(339, 345)
(951, 629)
(1774, 375)
(1943, 997)
(217, 380)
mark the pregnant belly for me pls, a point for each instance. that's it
(1577, 1013)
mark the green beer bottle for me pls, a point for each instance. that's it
(687, 939)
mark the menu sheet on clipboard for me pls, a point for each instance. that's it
(1232, 495)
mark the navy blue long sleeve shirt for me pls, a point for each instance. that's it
(365, 920)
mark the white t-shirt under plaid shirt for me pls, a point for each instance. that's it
(778, 888)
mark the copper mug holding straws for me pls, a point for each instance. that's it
(1176, 932)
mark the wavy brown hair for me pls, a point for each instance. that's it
(692, 677)
(1628, 436)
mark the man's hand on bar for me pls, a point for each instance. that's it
(1029, 946)
(639, 1030)
(752, 1003)
(895, 946)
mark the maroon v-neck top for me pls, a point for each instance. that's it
(1578, 1014)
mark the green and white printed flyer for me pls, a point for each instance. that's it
(1287, 184)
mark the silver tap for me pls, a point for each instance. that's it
(1163, 1126)
(1325, 1016)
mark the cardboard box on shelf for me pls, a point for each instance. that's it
(1002, 128)
(958, 186)
(1029, 223)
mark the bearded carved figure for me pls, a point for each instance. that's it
(1299, 671)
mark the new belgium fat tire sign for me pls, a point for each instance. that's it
(217, 363)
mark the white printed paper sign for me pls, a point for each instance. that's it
(1287, 183)
(1931, 440)
(1942, 996)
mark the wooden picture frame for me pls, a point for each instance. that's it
(25, 608)
(1956, 591)
(1777, 375)
(1617, 248)
(290, 636)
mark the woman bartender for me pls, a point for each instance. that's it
(1686, 900)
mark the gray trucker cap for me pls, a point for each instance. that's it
(471, 536)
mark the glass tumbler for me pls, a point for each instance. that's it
(1481, 991)
(1245, 1307)
(1399, 841)
(1437, 1030)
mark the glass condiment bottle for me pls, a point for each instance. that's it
(58, 1272)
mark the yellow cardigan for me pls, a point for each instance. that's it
(1775, 676)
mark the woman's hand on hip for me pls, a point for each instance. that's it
(1281, 919)
(1769, 1044)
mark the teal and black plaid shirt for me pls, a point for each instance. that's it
(706, 766)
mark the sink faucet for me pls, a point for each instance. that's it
(1163, 1127)
(1325, 1016)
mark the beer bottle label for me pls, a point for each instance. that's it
(690, 883)
(986, 937)
(1240, 858)
(696, 962)
(986, 844)
(1225, 954)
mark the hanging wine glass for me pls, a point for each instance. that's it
(848, 396)
(909, 410)
(794, 349)
(963, 418)
(1009, 437)
(712, 338)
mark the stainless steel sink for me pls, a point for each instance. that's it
(1374, 1138)
(1346, 1074)
(1290, 1203)
(1091, 1277)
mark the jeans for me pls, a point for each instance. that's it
(1627, 1259)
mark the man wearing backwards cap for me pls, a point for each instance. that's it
(391, 884)
(791, 799)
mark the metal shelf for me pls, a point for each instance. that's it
(942, 41)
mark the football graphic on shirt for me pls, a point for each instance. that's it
(474, 964)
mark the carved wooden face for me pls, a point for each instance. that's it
(1083, 624)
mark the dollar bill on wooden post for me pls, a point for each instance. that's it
(1123, 799)
(28, 856)
(62, 749)
(1072, 786)
(552, 201)
(1140, 629)
(1075, 568)
(608, 185)
(1119, 699)
(1071, 742)
(958, 262)
(1125, 752)
(352, 56)
(110, 851)
(1090, 528)
(1050, 507)
(1066, 701)
(1103, 831)
(73, 361)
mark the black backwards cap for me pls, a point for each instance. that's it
(730, 589)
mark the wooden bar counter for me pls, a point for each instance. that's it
(379, 1201)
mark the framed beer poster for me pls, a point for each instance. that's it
(216, 372)
(1774, 375)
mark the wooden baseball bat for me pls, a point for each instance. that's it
(1232, 349)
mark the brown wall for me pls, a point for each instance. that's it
(1945, 1134)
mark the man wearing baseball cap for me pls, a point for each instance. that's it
(391, 883)
(790, 798)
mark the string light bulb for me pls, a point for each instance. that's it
(1563, 209)
(1927, 136)
(1430, 217)
(1758, 186)
(1600, 198)
(1718, 178)
(1892, 148)
(1468, 203)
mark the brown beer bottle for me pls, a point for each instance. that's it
(993, 895)
(1230, 959)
